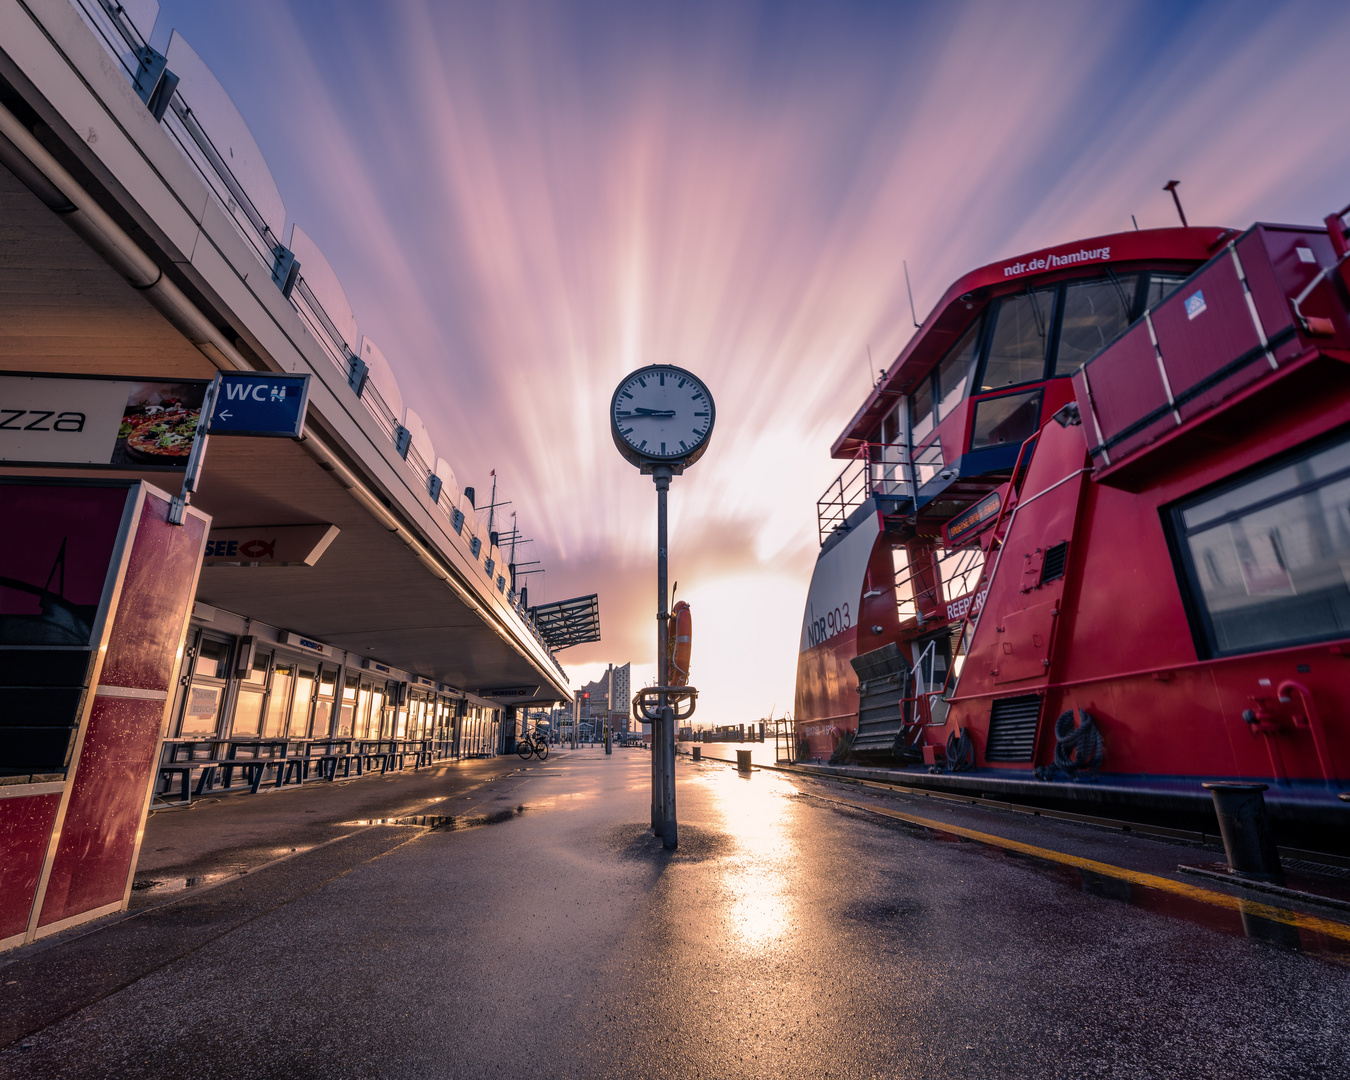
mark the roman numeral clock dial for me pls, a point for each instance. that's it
(662, 415)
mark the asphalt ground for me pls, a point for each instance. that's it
(800, 929)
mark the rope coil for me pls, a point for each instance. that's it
(1079, 751)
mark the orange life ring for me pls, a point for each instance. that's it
(678, 630)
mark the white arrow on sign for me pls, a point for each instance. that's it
(226, 414)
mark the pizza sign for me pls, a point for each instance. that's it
(81, 420)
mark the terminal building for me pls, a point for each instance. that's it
(320, 591)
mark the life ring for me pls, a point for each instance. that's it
(678, 630)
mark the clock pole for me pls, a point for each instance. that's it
(663, 731)
(653, 408)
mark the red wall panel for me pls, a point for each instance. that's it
(98, 837)
(115, 768)
(25, 830)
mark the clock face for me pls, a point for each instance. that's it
(662, 413)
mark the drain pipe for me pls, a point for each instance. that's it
(44, 176)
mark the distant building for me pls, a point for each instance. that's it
(609, 697)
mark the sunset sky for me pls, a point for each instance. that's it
(526, 201)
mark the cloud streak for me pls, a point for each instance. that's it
(525, 201)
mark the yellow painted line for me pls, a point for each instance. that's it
(1134, 877)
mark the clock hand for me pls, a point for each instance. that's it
(647, 414)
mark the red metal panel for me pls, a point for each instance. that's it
(116, 766)
(25, 829)
(142, 651)
(1023, 642)
(98, 836)
(1277, 273)
(1125, 386)
(1198, 342)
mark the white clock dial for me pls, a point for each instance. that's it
(662, 413)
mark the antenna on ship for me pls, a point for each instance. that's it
(871, 369)
(912, 313)
(1136, 222)
(1171, 186)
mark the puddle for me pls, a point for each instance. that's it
(174, 884)
(444, 822)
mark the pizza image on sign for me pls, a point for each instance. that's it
(159, 423)
(164, 439)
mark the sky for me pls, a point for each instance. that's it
(526, 201)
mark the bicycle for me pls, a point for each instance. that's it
(533, 743)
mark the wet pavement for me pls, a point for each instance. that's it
(534, 927)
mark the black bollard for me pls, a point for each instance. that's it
(1245, 828)
(698, 753)
(743, 761)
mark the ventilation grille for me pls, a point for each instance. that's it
(1052, 569)
(1012, 729)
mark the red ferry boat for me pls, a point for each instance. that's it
(1096, 524)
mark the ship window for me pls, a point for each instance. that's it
(954, 372)
(1011, 418)
(1267, 560)
(1160, 286)
(921, 408)
(1021, 338)
(1094, 313)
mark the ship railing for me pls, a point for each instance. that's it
(879, 469)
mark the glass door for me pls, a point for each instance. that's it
(347, 714)
(279, 700)
(207, 678)
(323, 703)
(305, 683)
(248, 708)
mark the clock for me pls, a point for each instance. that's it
(661, 415)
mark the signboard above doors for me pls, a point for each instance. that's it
(90, 420)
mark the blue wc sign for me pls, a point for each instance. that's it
(259, 404)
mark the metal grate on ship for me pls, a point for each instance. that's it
(1012, 729)
(1052, 569)
(884, 679)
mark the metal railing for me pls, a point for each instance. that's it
(880, 469)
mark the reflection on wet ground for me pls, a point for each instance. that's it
(445, 822)
(1229, 914)
(758, 868)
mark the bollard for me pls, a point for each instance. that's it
(1245, 828)
(697, 751)
(743, 761)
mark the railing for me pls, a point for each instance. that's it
(883, 469)
(123, 40)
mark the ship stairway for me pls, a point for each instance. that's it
(886, 716)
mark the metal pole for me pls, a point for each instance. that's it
(663, 745)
